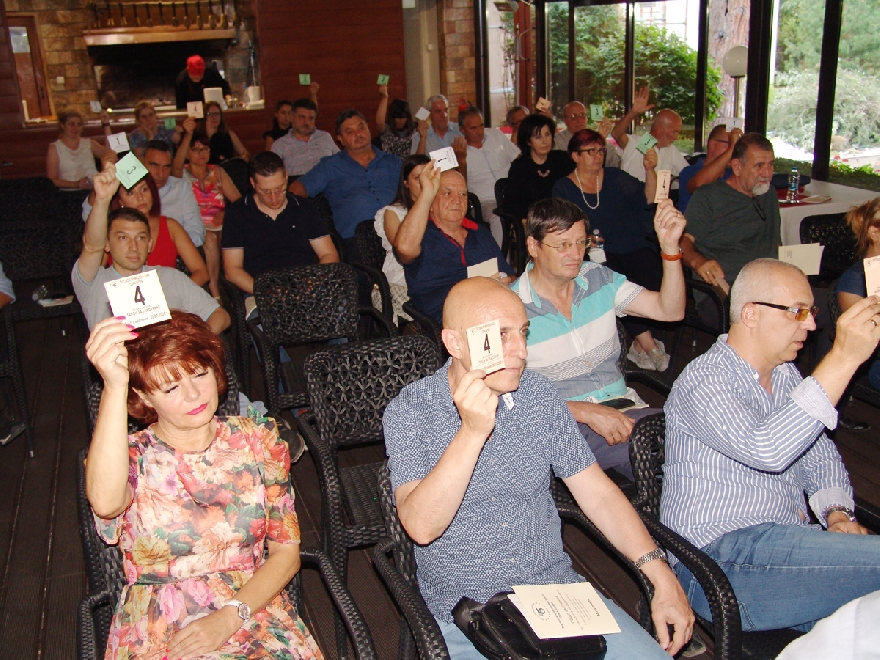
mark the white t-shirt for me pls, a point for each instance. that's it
(392, 267)
(489, 163)
(668, 158)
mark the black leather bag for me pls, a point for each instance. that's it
(499, 631)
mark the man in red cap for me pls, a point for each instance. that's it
(193, 80)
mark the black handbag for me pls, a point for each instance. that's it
(499, 631)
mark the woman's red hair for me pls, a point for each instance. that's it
(169, 350)
(155, 210)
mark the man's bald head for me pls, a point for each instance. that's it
(575, 117)
(469, 298)
(761, 279)
(666, 127)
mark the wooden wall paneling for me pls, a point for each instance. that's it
(10, 106)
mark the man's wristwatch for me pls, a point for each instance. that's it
(244, 610)
(656, 553)
(841, 509)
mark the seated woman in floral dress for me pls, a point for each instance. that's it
(193, 502)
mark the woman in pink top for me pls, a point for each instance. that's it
(212, 188)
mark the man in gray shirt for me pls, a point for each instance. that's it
(304, 145)
(125, 235)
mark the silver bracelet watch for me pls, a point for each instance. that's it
(243, 609)
(656, 553)
(841, 509)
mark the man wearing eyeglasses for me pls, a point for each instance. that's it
(732, 222)
(745, 441)
(711, 167)
(574, 115)
(573, 307)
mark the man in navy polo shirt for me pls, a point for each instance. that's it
(436, 242)
(357, 181)
(271, 228)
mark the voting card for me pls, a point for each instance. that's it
(444, 158)
(130, 170)
(170, 123)
(195, 109)
(139, 298)
(564, 610)
(383, 79)
(596, 113)
(484, 341)
(807, 257)
(488, 268)
(738, 122)
(542, 104)
(118, 142)
(305, 79)
(422, 114)
(646, 143)
(872, 275)
(95, 106)
(664, 179)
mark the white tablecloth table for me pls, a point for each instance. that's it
(843, 198)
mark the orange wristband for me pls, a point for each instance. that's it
(671, 257)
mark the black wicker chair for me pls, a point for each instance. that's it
(31, 199)
(10, 368)
(239, 173)
(301, 306)
(106, 580)
(647, 454)
(474, 209)
(233, 299)
(513, 245)
(831, 231)
(349, 387)
(372, 259)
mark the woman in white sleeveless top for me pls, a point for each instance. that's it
(387, 222)
(70, 162)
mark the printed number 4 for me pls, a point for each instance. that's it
(486, 344)
(139, 298)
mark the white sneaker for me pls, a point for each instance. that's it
(659, 357)
(641, 359)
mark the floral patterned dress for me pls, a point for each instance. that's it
(194, 534)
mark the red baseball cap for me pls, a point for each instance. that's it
(195, 65)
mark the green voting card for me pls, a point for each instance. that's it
(170, 123)
(129, 170)
(305, 79)
(383, 79)
(596, 113)
(646, 143)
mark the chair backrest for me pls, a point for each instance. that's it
(32, 199)
(500, 190)
(404, 558)
(103, 562)
(350, 385)
(308, 303)
(32, 250)
(647, 453)
(238, 171)
(474, 209)
(830, 230)
(369, 244)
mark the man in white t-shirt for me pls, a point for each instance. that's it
(489, 155)
(665, 128)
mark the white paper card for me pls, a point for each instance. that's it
(213, 94)
(195, 109)
(488, 268)
(484, 342)
(422, 114)
(139, 298)
(872, 275)
(542, 104)
(739, 122)
(564, 610)
(95, 106)
(806, 257)
(664, 178)
(130, 170)
(444, 158)
(118, 142)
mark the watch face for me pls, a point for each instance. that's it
(244, 611)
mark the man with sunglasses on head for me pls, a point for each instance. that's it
(732, 222)
(747, 457)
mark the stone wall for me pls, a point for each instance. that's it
(61, 24)
(457, 50)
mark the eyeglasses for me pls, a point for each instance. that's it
(199, 150)
(800, 313)
(580, 115)
(216, 113)
(593, 151)
(565, 246)
(271, 192)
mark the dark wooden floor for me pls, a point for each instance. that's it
(41, 568)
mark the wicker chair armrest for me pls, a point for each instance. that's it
(351, 615)
(422, 624)
(722, 601)
(384, 321)
(325, 464)
(427, 325)
(378, 279)
(85, 624)
(720, 305)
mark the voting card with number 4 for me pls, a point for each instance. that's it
(484, 342)
(872, 275)
(444, 158)
(139, 298)
(195, 109)
(664, 178)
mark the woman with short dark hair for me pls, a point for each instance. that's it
(193, 501)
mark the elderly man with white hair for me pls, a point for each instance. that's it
(437, 132)
(747, 457)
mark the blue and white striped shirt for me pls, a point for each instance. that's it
(737, 456)
(580, 356)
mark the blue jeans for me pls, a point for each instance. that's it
(789, 576)
(631, 643)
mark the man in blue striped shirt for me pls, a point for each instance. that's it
(745, 442)
(573, 308)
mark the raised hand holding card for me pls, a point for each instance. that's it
(422, 114)
(484, 341)
(139, 298)
(130, 170)
(195, 109)
(646, 143)
(444, 158)
(872, 275)
(664, 178)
